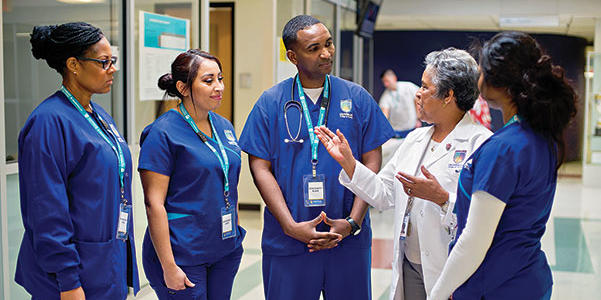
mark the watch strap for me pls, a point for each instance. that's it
(354, 226)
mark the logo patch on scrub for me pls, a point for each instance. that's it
(230, 137)
(346, 106)
(458, 158)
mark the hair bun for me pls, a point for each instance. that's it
(41, 41)
(165, 81)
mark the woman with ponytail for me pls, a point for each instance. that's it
(75, 177)
(507, 186)
(189, 166)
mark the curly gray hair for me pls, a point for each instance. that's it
(454, 69)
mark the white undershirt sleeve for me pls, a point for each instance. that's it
(469, 251)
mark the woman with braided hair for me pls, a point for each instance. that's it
(506, 188)
(75, 177)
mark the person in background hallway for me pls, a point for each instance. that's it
(306, 252)
(398, 105)
(506, 188)
(190, 166)
(75, 177)
(480, 113)
(420, 179)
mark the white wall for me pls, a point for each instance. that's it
(254, 57)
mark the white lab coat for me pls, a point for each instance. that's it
(436, 227)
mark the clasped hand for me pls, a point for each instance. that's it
(307, 233)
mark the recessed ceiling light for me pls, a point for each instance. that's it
(529, 21)
(80, 1)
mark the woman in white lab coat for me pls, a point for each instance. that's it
(425, 167)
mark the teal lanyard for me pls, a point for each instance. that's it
(325, 103)
(223, 160)
(116, 147)
(513, 119)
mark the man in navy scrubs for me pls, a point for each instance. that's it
(307, 252)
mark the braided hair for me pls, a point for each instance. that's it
(56, 43)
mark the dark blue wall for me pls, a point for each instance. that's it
(404, 52)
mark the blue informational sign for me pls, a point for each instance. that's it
(165, 32)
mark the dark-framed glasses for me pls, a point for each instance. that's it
(106, 63)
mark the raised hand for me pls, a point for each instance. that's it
(338, 147)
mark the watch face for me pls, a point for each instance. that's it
(357, 232)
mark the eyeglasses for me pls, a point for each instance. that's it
(106, 63)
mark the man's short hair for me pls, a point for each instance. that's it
(387, 72)
(293, 26)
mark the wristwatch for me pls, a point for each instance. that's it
(355, 228)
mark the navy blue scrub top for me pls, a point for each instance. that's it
(354, 112)
(195, 193)
(517, 166)
(70, 197)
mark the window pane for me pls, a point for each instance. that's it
(346, 49)
(27, 81)
(15, 234)
(325, 12)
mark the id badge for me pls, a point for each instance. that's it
(123, 223)
(404, 227)
(314, 190)
(227, 223)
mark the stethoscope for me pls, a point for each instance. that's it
(296, 104)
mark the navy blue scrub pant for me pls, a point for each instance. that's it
(340, 273)
(213, 281)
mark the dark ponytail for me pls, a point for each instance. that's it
(540, 90)
(184, 68)
(56, 43)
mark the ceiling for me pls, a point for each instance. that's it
(575, 17)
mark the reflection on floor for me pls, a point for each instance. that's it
(572, 244)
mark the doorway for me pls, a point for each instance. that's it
(221, 41)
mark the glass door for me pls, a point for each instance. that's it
(592, 134)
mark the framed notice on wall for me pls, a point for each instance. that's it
(162, 38)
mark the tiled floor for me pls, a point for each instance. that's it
(572, 244)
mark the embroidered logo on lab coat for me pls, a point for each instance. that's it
(231, 139)
(458, 158)
(346, 106)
